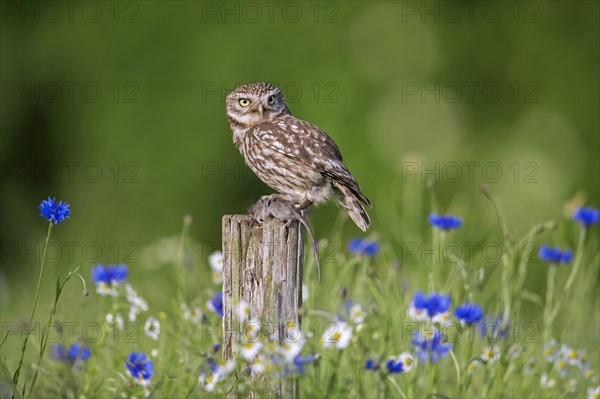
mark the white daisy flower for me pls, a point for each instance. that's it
(583, 361)
(194, 314)
(547, 382)
(444, 319)
(337, 336)
(115, 321)
(593, 393)
(251, 330)
(271, 348)
(208, 382)
(152, 328)
(225, 368)
(571, 355)
(560, 365)
(133, 313)
(589, 375)
(473, 366)
(216, 264)
(551, 349)
(417, 314)
(490, 354)
(107, 289)
(293, 342)
(290, 349)
(243, 311)
(292, 332)
(571, 385)
(529, 367)
(407, 360)
(357, 315)
(259, 365)
(514, 351)
(250, 349)
(138, 304)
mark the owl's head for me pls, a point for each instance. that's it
(254, 103)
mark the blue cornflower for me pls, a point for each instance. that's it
(394, 366)
(433, 304)
(297, 365)
(554, 255)
(431, 348)
(493, 330)
(362, 246)
(469, 313)
(445, 222)
(216, 303)
(301, 361)
(54, 211)
(76, 351)
(586, 216)
(212, 363)
(58, 353)
(108, 278)
(140, 367)
(72, 354)
(371, 364)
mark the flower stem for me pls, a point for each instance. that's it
(577, 262)
(333, 375)
(434, 237)
(548, 304)
(35, 301)
(458, 375)
(437, 238)
(506, 286)
(46, 331)
(181, 292)
(400, 391)
(522, 270)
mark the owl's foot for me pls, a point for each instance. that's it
(294, 199)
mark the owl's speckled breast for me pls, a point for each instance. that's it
(284, 174)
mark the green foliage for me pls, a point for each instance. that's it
(382, 289)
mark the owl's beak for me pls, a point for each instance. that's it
(261, 110)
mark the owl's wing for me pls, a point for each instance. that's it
(308, 144)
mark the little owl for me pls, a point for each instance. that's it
(292, 156)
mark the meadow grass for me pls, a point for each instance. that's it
(460, 307)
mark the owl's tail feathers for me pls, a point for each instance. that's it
(350, 201)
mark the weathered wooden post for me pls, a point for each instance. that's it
(263, 268)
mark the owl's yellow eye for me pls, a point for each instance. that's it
(271, 100)
(244, 102)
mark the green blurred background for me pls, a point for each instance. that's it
(118, 108)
